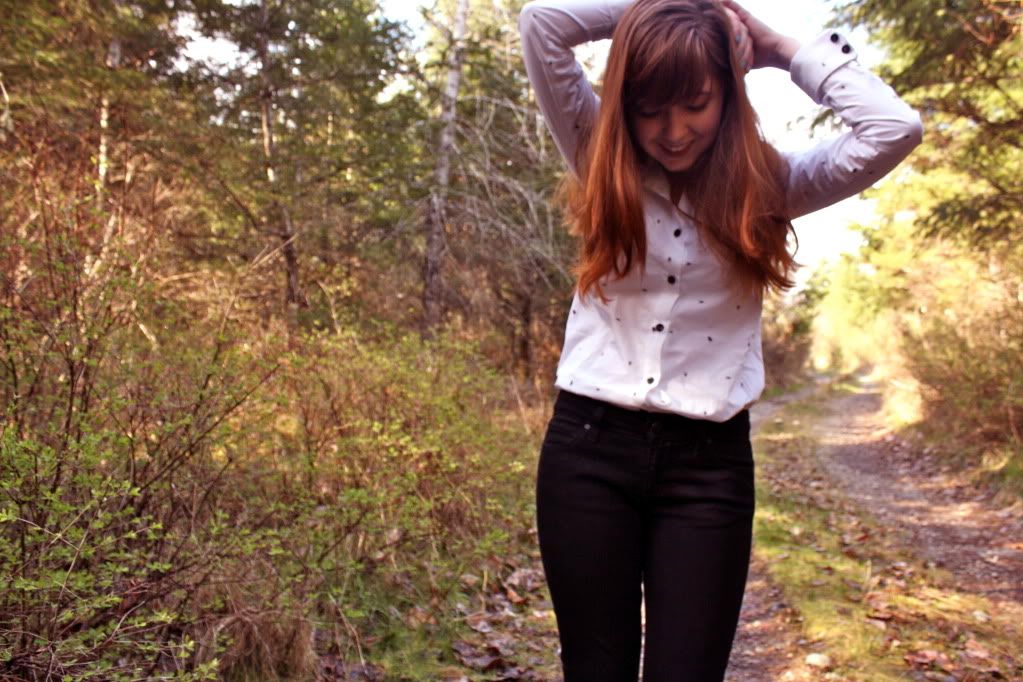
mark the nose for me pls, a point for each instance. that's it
(676, 123)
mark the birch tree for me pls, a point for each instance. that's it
(432, 275)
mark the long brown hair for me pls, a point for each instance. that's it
(662, 51)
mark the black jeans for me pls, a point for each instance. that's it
(627, 498)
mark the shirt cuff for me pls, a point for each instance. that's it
(818, 59)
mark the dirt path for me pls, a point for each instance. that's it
(938, 515)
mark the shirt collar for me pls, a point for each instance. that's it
(653, 177)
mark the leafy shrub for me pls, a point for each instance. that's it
(967, 359)
(188, 491)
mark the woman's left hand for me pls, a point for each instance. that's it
(743, 44)
(767, 47)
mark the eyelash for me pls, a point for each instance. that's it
(650, 114)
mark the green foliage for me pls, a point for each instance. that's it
(81, 571)
(961, 64)
(967, 358)
(354, 487)
(185, 493)
(933, 299)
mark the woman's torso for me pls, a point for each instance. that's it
(675, 335)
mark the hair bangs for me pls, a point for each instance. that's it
(669, 66)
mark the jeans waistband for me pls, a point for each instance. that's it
(645, 420)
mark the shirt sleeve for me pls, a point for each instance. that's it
(549, 29)
(884, 129)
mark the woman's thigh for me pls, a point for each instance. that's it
(591, 538)
(697, 561)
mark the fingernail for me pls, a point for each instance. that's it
(738, 39)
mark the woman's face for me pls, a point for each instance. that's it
(677, 134)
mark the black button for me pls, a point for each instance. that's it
(671, 279)
(658, 327)
(650, 380)
(678, 233)
(846, 49)
(834, 37)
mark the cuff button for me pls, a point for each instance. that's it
(834, 37)
(846, 49)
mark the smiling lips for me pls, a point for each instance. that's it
(675, 151)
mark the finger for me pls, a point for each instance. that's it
(735, 23)
(740, 34)
(737, 8)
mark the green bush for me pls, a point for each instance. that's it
(188, 491)
(968, 362)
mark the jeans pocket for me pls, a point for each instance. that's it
(566, 430)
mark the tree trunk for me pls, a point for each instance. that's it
(93, 262)
(525, 345)
(113, 62)
(278, 212)
(432, 277)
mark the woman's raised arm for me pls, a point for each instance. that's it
(549, 29)
(884, 129)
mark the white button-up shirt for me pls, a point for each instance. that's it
(675, 336)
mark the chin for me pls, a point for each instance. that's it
(677, 166)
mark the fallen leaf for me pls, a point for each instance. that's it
(471, 657)
(513, 596)
(479, 623)
(926, 657)
(922, 657)
(975, 650)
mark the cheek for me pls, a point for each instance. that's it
(644, 132)
(709, 124)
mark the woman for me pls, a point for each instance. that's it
(645, 481)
